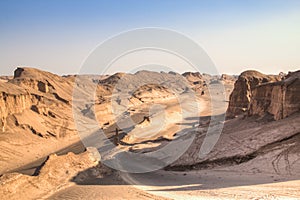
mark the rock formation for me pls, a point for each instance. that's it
(32, 102)
(193, 76)
(35, 111)
(5, 78)
(241, 95)
(279, 99)
(36, 106)
(197, 81)
(257, 145)
(228, 78)
(55, 174)
(151, 93)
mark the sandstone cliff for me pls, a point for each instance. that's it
(35, 116)
(278, 99)
(33, 101)
(241, 95)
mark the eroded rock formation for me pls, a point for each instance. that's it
(55, 174)
(32, 102)
(279, 99)
(197, 81)
(257, 145)
(241, 95)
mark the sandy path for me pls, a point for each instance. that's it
(214, 184)
(110, 187)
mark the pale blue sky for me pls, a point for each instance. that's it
(57, 35)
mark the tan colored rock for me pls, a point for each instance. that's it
(13, 99)
(5, 78)
(151, 93)
(193, 76)
(38, 102)
(197, 81)
(256, 145)
(45, 82)
(34, 106)
(228, 78)
(240, 97)
(279, 99)
(55, 174)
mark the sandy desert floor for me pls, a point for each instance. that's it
(222, 183)
(198, 184)
(209, 183)
(216, 184)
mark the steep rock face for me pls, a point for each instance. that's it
(240, 97)
(37, 102)
(279, 99)
(13, 99)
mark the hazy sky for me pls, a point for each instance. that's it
(57, 35)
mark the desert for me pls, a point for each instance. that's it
(42, 156)
(143, 100)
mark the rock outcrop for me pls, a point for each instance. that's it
(44, 82)
(278, 99)
(36, 115)
(151, 93)
(193, 76)
(13, 99)
(37, 102)
(251, 143)
(197, 81)
(55, 174)
(228, 78)
(239, 100)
